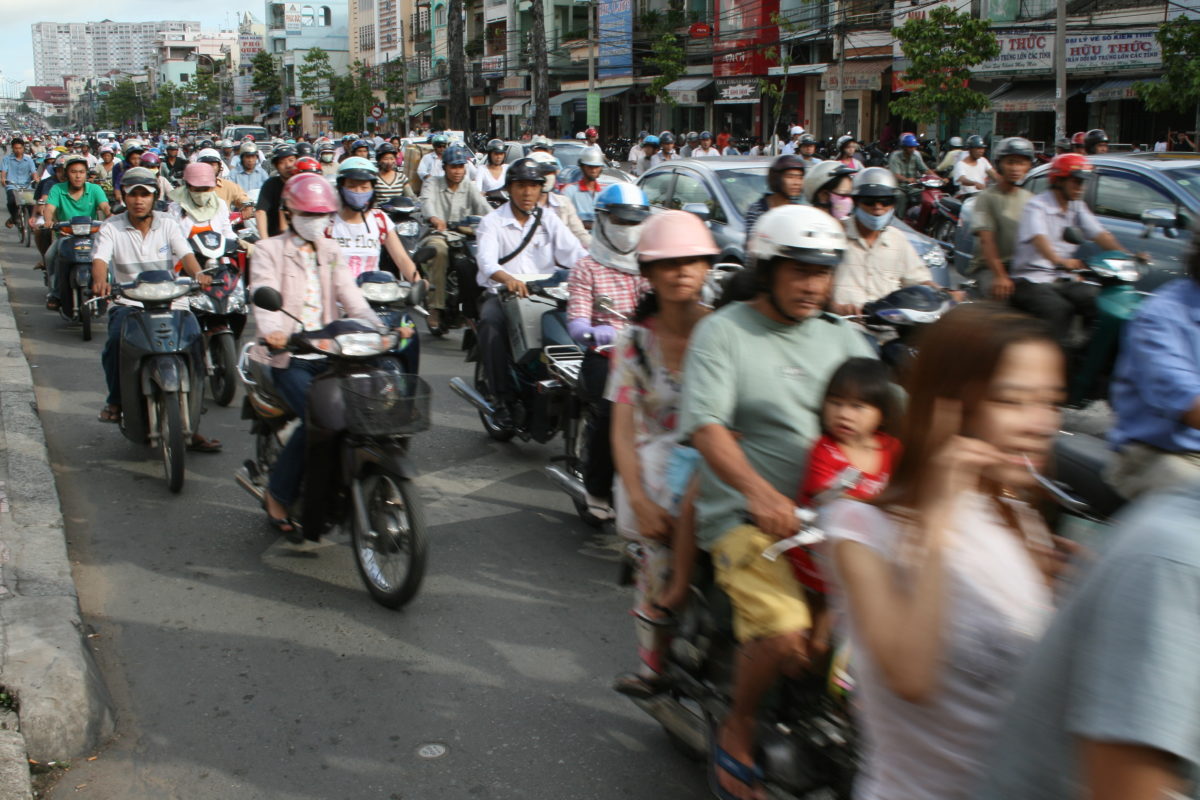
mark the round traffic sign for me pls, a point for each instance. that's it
(376, 111)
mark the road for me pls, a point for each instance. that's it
(243, 668)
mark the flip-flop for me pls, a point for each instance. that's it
(203, 445)
(631, 684)
(667, 620)
(110, 414)
(284, 525)
(749, 775)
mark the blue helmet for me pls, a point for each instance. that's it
(908, 140)
(360, 143)
(623, 201)
(650, 139)
(456, 156)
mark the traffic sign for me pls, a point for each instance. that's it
(376, 111)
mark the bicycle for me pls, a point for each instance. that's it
(24, 218)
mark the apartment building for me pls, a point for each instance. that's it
(91, 49)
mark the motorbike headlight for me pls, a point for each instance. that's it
(384, 292)
(237, 302)
(201, 302)
(363, 344)
(156, 292)
(82, 229)
(935, 256)
(558, 293)
(410, 227)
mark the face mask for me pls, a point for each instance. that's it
(201, 198)
(357, 200)
(327, 157)
(623, 238)
(841, 206)
(310, 229)
(872, 222)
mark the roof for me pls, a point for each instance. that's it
(55, 95)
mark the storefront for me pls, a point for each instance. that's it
(691, 110)
(1028, 110)
(737, 107)
(1114, 106)
(859, 85)
(511, 117)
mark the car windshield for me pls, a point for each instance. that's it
(743, 186)
(567, 154)
(1188, 178)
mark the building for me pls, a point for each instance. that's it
(293, 29)
(90, 49)
(48, 101)
(178, 55)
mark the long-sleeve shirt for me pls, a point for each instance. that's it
(570, 217)
(500, 233)
(437, 200)
(590, 279)
(250, 181)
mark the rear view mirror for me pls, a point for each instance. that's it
(1160, 218)
(1073, 235)
(416, 294)
(699, 209)
(268, 299)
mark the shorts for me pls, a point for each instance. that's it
(767, 599)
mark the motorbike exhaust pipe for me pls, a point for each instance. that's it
(244, 479)
(568, 483)
(468, 393)
(681, 722)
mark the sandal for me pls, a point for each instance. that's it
(110, 413)
(283, 525)
(666, 618)
(749, 775)
(52, 304)
(199, 444)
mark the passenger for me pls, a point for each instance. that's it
(828, 186)
(785, 182)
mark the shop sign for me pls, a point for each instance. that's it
(492, 67)
(700, 30)
(616, 43)
(291, 19)
(685, 97)
(249, 46)
(735, 52)
(1033, 52)
(737, 90)
(854, 81)
(833, 101)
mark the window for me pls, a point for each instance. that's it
(1126, 195)
(658, 188)
(690, 188)
(439, 16)
(325, 19)
(1038, 183)
(307, 18)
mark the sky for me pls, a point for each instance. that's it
(16, 40)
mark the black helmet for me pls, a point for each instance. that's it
(875, 182)
(206, 143)
(667, 138)
(807, 138)
(975, 140)
(139, 176)
(780, 166)
(384, 149)
(1016, 146)
(282, 151)
(496, 146)
(525, 169)
(912, 305)
(706, 135)
(1094, 137)
(304, 149)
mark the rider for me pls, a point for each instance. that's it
(666, 141)
(491, 176)
(249, 173)
(232, 193)
(592, 137)
(74, 198)
(269, 212)
(996, 217)
(1043, 263)
(132, 151)
(1095, 142)
(705, 148)
(552, 199)
(972, 171)
(793, 144)
(137, 240)
(390, 183)
(583, 192)
(16, 172)
(879, 258)
(644, 160)
(610, 270)
(431, 163)
(909, 167)
(447, 199)
(361, 232)
(954, 151)
(305, 268)
(754, 376)
(785, 180)
(518, 239)
(807, 150)
(828, 187)
(172, 165)
(326, 154)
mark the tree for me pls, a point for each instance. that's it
(204, 97)
(668, 56)
(158, 113)
(460, 113)
(24, 108)
(122, 105)
(315, 77)
(942, 48)
(265, 77)
(352, 98)
(541, 70)
(1179, 88)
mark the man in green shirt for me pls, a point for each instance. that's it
(754, 379)
(996, 216)
(75, 197)
(909, 167)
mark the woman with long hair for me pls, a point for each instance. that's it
(946, 576)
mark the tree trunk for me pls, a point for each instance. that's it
(540, 87)
(459, 113)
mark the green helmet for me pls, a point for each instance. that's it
(358, 169)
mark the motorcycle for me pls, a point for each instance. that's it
(391, 300)
(896, 319)
(220, 309)
(405, 214)
(460, 271)
(531, 327)
(161, 360)
(923, 208)
(496, 197)
(362, 414)
(75, 270)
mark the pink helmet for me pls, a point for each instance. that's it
(198, 174)
(309, 193)
(675, 234)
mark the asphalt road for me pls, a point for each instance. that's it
(242, 668)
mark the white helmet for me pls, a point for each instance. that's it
(581, 135)
(797, 130)
(549, 166)
(591, 157)
(801, 233)
(816, 178)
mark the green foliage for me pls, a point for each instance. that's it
(158, 113)
(668, 56)
(1180, 86)
(352, 98)
(942, 48)
(122, 105)
(266, 76)
(24, 108)
(315, 77)
(203, 97)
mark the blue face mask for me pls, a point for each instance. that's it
(872, 222)
(357, 200)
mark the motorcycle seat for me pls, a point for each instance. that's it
(951, 205)
(1080, 463)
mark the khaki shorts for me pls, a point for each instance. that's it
(767, 599)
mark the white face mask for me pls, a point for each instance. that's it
(310, 229)
(623, 238)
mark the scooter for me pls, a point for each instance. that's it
(220, 310)
(921, 206)
(896, 319)
(161, 363)
(462, 268)
(362, 414)
(74, 271)
(405, 214)
(391, 300)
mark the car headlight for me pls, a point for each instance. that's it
(388, 292)
(410, 227)
(157, 292)
(935, 256)
(201, 302)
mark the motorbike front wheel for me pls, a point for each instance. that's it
(170, 433)
(391, 551)
(85, 315)
(943, 230)
(222, 382)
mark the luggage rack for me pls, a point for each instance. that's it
(564, 361)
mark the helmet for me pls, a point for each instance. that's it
(914, 303)
(1094, 137)
(307, 164)
(172, 145)
(309, 193)
(642, 135)
(304, 149)
(1063, 143)
(908, 140)
(1077, 139)
(359, 143)
(524, 169)
(843, 140)
(822, 175)
(581, 135)
(675, 234)
(199, 174)
(955, 141)
(209, 156)
(795, 130)
(131, 146)
(456, 156)
(801, 233)
(149, 159)
(975, 140)
(875, 182)
(780, 166)
(496, 146)
(706, 135)
(549, 165)
(650, 139)
(1070, 165)
(282, 151)
(1014, 146)
(591, 157)
(540, 141)
(139, 176)
(248, 147)
(384, 149)
(693, 136)
(206, 144)
(667, 138)
(590, 132)
(625, 201)
(74, 159)
(357, 168)
(437, 138)
(807, 138)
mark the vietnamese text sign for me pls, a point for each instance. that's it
(737, 90)
(1033, 52)
(249, 46)
(291, 19)
(616, 38)
(593, 108)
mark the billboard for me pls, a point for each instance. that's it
(745, 30)
(1029, 52)
(249, 45)
(616, 38)
(291, 19)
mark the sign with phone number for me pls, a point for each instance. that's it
(1025, 52)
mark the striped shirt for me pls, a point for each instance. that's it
(389, 191)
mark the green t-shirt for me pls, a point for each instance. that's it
(764, 380)
(66, 207)
(1000, 213)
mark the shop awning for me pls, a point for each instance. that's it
(800, 69)
(1020, 99)
(1121, 89)
(558, 101)
(511, 107)
(686, 91)
(860, 75)
(417, 111)
(613, 92)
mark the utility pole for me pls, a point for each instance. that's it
(841, 76)
(1060, 71)
(540, 76)
(593, 45)
(456, 55)
(283, 95)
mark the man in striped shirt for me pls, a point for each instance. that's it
(391, 182)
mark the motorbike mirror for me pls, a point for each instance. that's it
(699, 209)
(416, 295)
(1160, 218)
(1073, 235)
(472, 221)
(268, 299)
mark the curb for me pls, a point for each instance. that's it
(64, 709)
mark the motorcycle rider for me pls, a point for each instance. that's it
(269, 211)
(1043, 263)
(172, 165)
(692, 140)
(828, 186)
(305, 267)
(326, 154)
(879, 258)
(807, 150)
(75, 197)
(793, 143)
(227, 154)
(132, 151)
(1095, 142)
(666, 141)
(583, 192)
(644, 160)
(134, 241)
(610, 269)
(360, 231)
(997, 216)
(518, 239)
(785, 180)
(491, 177)
(235, 196)
(754, 376)
(954, 152)
(552, 199)
(705, 149)
(390, 182)
(636, 150)
(973, 171)
(196, 203)
(105, 171)
(909, 167)
(592, 137)
(1078, 143)
(431, 163)
(447, 199)
(249, 173)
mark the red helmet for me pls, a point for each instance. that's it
(309, 193)
(307, 164)
(591, 132)
(1077, 139)
(1070, 165)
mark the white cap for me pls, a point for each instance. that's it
(797, 130)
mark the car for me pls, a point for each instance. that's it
(1125, 188)
(238, 133)
(567, 151)
(608, 176)
(727, 186)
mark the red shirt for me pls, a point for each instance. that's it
(825, 463)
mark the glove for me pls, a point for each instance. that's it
(581, 331)
(604, 334)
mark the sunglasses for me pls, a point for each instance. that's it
(877, 201)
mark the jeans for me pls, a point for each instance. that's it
(11, 196)
(493, 349)
(52, 271)
(292, 385)
(110, 356)
(437, 267)
(1057, 303)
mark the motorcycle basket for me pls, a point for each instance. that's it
(386, 404)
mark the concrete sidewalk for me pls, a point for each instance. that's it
(63, 709)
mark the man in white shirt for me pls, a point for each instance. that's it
(972, 172)
(790, 148)
(706, 149)
(431, 163)
(519, 238)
